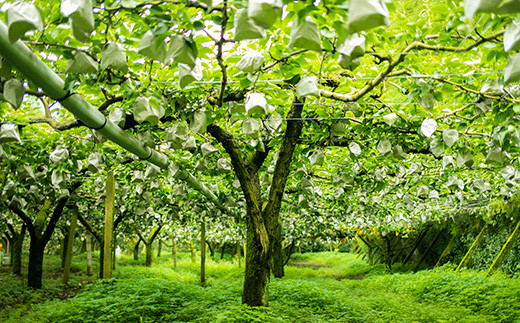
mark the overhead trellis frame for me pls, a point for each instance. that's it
(21, 57)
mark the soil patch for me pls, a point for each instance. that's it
(307, 264)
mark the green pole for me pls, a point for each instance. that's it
(505, 250)
(35, 70)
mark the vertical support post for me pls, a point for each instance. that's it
(109, 225)
(448, 249)
(238, 255)
(202, 252)
(437, 236)
(88, 241)
(174, 253)
(472, 249)
(70, 244)
(505, 249)
(421, 237)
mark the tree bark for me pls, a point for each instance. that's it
(159, 247)
(35, 269)
(149, 243)
(193, 253)
(16, 248)
(278, 252)
(211, 250)
(40, 235)
(261, 221)
(223, 251)
(136, 250)
(149, 254)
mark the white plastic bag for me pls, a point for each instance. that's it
(366, 14)
(307, 86)
(256, 103)
(9, 133)
(183, 50)
(81, 17)
(305, 34)
(22, 17)
(188, 75)
(152, 47)
(114, 56)
(265, 12)
(245, 28)
(251, 62)
(81, 64)
(147, 110)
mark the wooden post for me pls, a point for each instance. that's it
(222, 251)
(238, 254)
(472, 249)
(437, 236)
(89, 254)
(174, 253)
(448, 249)
(70, 244)
(505, 249)
(421, 237)
(109, 224)
(193, 253)
(202, 252)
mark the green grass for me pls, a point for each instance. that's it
(319, 287)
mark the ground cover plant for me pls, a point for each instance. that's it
(318, 287)
(388, 131)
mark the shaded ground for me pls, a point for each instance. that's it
(319, 287)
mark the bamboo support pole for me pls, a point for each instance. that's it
(448, 249)
(472, 249)
(505, 250)
(437, 236)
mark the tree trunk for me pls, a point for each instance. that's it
(202, 253)
(149, 254)
(174, 253)
(136, 250)
(16, 251)
(159, 247)
(223, 251)
(256, 280)
(193, 253)
(277, 251)
(211, 250)
(35, 269)
(70, 245)
(88, 242)
(63, 250)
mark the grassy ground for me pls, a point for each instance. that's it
(319, 287)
